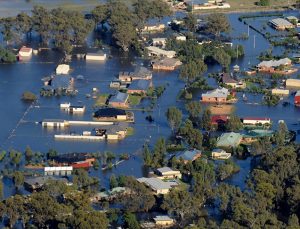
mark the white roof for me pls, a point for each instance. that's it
(56, 169)
(274, 63)
(156, 183)
(161, 51)
(166, 169)
(281, 22)
(162, 218)
(217, 93)
(62, 69)
(297, 93)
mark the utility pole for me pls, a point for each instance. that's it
(254, 42)
(248, 31)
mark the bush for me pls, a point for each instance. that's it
(263, 3)
(29, 96)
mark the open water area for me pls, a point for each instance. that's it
(20, 122)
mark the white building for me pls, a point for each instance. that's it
(62, 69)
(220, 154)
(25, 52)
(98, 56)
(256, 121)
(168, 173)
(157, 185)
(58, 171)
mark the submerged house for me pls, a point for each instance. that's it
(229, 81)
(119, 100)
(76, 160)
(153, 27)
(140, 73)
(25, 52)
(62, 69)
(157, 185)
(157, 52)
(229, 140)
(188, 155)
(256, 121)
(139, 87)
(95, 56)
(272, 65)
(167, 173)
(113, 114)
(281, 24)
(220, 154)
(219, 95)
(59, 85)
(167, 64)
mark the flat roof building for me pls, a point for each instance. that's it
(157, 185)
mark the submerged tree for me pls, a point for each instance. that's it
(174, 117)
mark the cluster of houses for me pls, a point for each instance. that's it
(281, 66)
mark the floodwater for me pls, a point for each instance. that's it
(20, 125)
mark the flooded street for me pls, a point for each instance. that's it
(20, 122)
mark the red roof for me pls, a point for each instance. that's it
(256, 119)
(219, 119)
(81, 165)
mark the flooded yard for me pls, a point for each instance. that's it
(20, 122)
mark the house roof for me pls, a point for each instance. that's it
(274, 63)
(297, 93)
(188, 155)
(165, 170)
(61, 81)
(109, 112)
(119, 98)
(281, 22)
(58, 168)
(25, 49)
(98, 53)
(256, 119)
(140, 85)
(169, 62)
(217, 119)
(40, 181)
(156, 183)
(161, 51)
(226, 78)
(217, 93)
(229, 139)
(162, 218)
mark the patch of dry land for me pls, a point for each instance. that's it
(250, 6)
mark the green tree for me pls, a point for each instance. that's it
(190, 22)
(131, 221)
(159, 153)
(174, 117)
(113, 183)
(206, 120)
(234, 123)
(28, 96)
(191, 70)
(28, 154)
(222, 58)
(41, 19)
(18, 178)
(24, 24)
(194, 109)
(217, 23)
(147, 155)
(100, 14)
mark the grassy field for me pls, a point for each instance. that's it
(101, 100)
(250, 6)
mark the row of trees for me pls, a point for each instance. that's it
(64, 28)
(126, 21)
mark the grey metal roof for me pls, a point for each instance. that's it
(188, 155)
(140, 85)
(217, 93)
(281, 22)
(119, 98)
(156, 183)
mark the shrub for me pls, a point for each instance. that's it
(28, 96)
